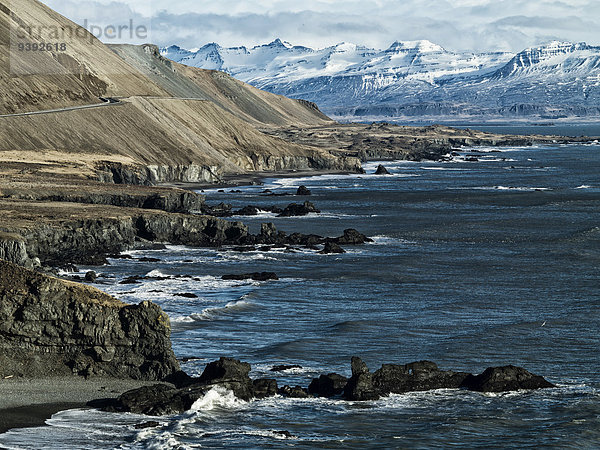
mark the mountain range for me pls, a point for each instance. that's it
(417, 80)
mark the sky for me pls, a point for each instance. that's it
(457, 25)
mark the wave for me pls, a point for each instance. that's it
(519, 188)
(261, 215)
(387, 240)
(217, 398)
(213, 312)
(457, 169)
(156, 273)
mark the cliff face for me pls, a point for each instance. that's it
(50, 327)
(55, 233)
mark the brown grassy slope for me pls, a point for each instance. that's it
(156, 131)
(167, 138)
(88, 69)
(240, 99)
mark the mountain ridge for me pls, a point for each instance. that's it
(417, 78)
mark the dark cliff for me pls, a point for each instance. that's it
(50, 327)
(54, 233)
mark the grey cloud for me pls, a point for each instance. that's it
(491, 25)
(549, 23)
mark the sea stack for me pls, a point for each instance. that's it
(381, 170)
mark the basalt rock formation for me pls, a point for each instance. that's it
(54, 233)
(231, 374)
(381, 170)
(50, 327)
(398, 379)
(226, 373)
(507, 378)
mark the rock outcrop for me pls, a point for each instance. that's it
(328, 385)
(425, 376)
(296, 209)
(50, 327)
(163, 199)
(507, 378)
(303, 191)
(381, 170)
(232, 375)
(398, 379)
(13, 248)
(226, 373)
(332, 247)
(46, 232)
(255, 276)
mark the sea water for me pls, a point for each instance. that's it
(474, 264)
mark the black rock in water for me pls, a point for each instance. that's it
(425, 376)
(293, 392)
(282, 367)
(295, 209)
(358, 366)
(148, 424)
(162, 399)
(186, 295)
(328, 385)
(398, 379)
(507, 378)
(244, 248)
(352, 237)
(231, 374)
(256, 276)
(264, 387)
(381, 170)
(225, 369)
(249, 210)
(91, 276)
(332, 247)
(303, 190)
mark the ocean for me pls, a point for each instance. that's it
(474, 264)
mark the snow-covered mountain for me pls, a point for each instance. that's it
(417, 78)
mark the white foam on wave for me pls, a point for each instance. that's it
(244, 256)
(520, 188)
(156, 273)
(269, 434)
(217, 398)
(323, 215)
(386, 240)
(584, 186)
(264, 370)
(181, 319)
(457, 169)
(234, 305)
(213, 312)
(261, 215)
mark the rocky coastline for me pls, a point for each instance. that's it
(56, 328)
(233, 375)
(386, 141)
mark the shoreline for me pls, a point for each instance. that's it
(31, 416)
(252, 179)
(27, 403)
